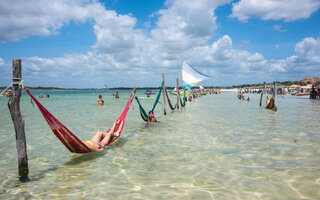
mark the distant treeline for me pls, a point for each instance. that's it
(286, 83)
(96, 89)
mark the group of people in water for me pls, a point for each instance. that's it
(241, 96)
(100, 139)
(7, 93)
(100, 101)
(46, 96)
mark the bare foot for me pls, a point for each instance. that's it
(111, 130)
(117, 133)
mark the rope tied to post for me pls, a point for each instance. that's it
(18, 81)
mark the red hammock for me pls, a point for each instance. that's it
(72, 142)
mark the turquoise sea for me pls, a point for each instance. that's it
(216, 147)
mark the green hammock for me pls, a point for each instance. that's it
(169, 102)
(143, 113)
(184, 102)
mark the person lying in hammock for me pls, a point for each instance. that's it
(151, 117)
(100, 139)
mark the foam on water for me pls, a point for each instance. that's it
(217, 147)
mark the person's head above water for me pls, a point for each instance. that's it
(151, 114)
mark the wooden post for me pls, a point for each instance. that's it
(274, 96)
(178, 94)
(164, 96)
(262, 93)
(18, 122)
(184, 92)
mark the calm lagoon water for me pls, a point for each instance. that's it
(216, 147)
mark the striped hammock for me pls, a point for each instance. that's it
(72, 142)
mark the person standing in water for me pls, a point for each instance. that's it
(148, 93)
(117, 95)
(100, 101)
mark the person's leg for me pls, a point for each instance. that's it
(111, 130)
(117, 133)
(111, 133)
(106, 139)
(97, 137)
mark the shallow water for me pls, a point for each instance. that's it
(216, 147)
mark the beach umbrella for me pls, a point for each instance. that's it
(293, 86)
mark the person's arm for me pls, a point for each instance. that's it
(95, 147)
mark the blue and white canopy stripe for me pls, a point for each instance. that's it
(190, 76)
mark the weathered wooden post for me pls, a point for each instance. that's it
(262, 93)
(184, 93)
(18, 122)
(178, 94)
(164, 95)
(274, 96)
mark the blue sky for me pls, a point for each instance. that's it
(126, 43)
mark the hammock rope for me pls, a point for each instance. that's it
(72, 142)
(169, 102)
(184, 102)
(143, 112)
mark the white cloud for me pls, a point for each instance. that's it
(126, 56)
(279, 28)
(114, 33)
(220, 60)
(224, 58)
(21, 19)
(287, 10)
(5, 73)
(186, 23)
(87, 70)
(308, 53)
(305, 62)
(1, 62)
